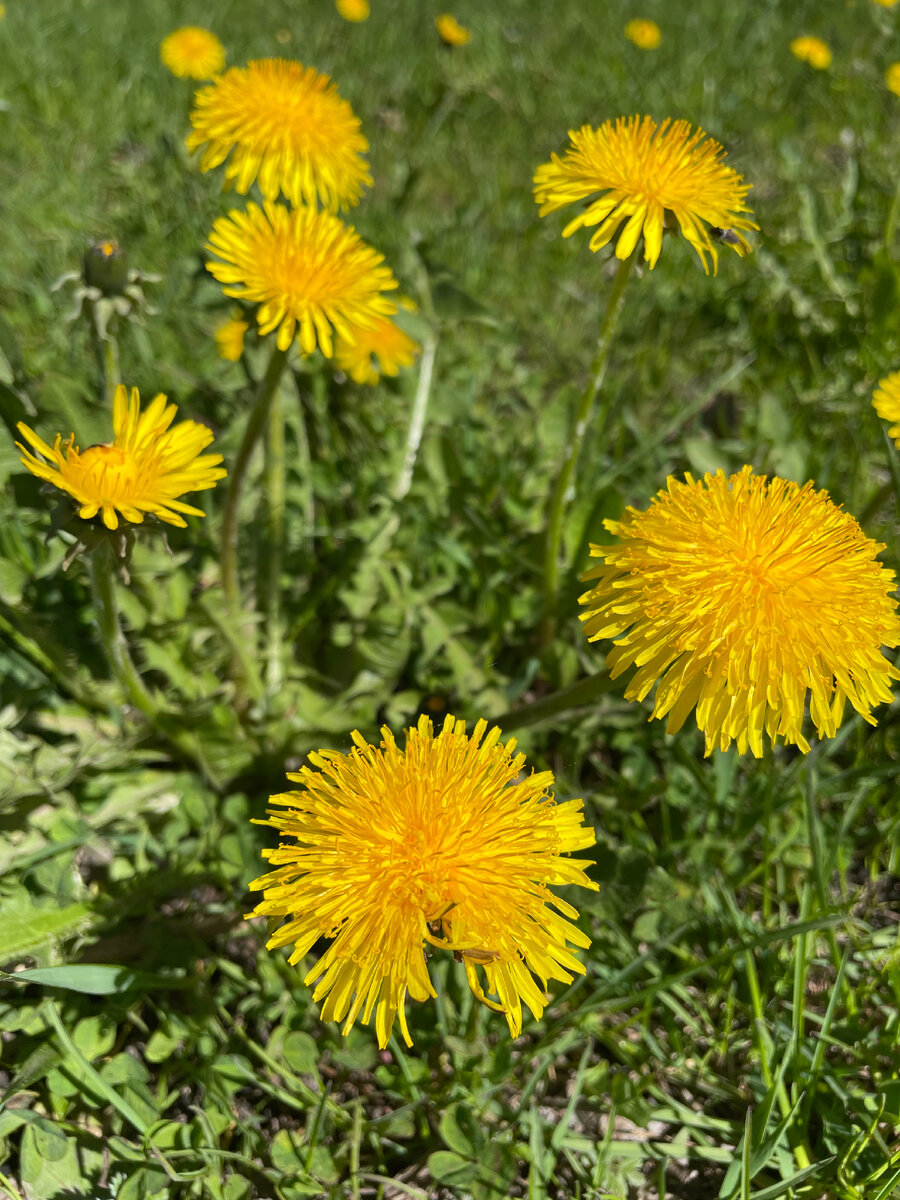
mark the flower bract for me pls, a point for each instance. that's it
(886, 399)
(743, 597)
(442, 844)
(308, 272)
(451, 31)
(192, 53)
(145, 468)
(812, 50)
(286, 127)
(643, 177)
(645, 34)
(381, 350)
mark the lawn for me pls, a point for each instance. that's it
(735, 1031)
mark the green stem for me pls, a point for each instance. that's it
(275, 497)
(112, 637)
(565, 481)
(106, 349)
(890, 227)
(417, 418)
(256, 423)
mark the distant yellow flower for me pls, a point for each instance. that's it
(230, 339)
(144, 469)
(812, 50)
(193, 53)
(2, 11)
(286, 127)
(386, 344)
(647, 175)
(743, 597)
(645, 34)
(307, 271)
(446, 843)
(886, 399)
(886, 3)
(353, 10)
(892, 78)
(451, 31)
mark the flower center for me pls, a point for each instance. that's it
(109, 473)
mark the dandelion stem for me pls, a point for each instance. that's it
(417, 419)
(106, 349)
(112, 636)
(565, 481)
(275, 495)
(256, 423)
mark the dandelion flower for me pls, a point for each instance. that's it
(646, 175)
(353, 10)
(144, 469)
(285, 126)
(304, 268)
(892, 78)
(645, 34)
(230, 339)
(450, 30)
(445, 843)
(886, 399)
(382, 350)
(193, 53)
(812, 50)
(743, 596)
(886, 3)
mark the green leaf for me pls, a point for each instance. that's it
(95, 979)
(447, 1167)
(301, 1053)
(28, 930)
(459, 1130)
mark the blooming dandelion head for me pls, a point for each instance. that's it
(308, 272)
(286, 127)
(743, 597)
(892, 78)
(450, 31)
(381, 350)
(353, 10)
(192, 53)
(886, 399)
(147, 466)
(644, 177)
(230, 339)
(643, 33)
(442, 844)
(812, 50)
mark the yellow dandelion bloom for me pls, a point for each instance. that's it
(445, 843)
(647, 174)
(230, 339)
(892, 78)
(304, 268)
(645, 34)
(144, 469)
(886, 399)
(353, 10)
(382, 350)
(286, 127)
(450, 30)
(743, 596)
(193, 53)
(886, 3)
(812, 50)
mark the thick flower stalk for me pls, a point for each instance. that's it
(286, 127)
(444, 844)
(144, 470)
(640, 178)
(744, 598)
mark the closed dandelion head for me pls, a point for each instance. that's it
(812, 50)
(886, 399)
(645, 177)
(192, 53)
(643, 33)
(743, 598)
(145, 468)
(445, 844)
(353, 10)
(381, 350)
(286, 127)
(309, 273)
(450, 31)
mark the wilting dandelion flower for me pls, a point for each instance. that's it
(892, 78)
(285, 126)
(192, 53)
(647, 174)
(744, 596)
(144, 469)
(353, 10)
(450, 30)
(812, 50)
(886, 399)
(230, 339)
(446, 843)
(645, 34)
(305, 269)
(382, 350)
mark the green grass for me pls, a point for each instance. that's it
(736, 1032)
